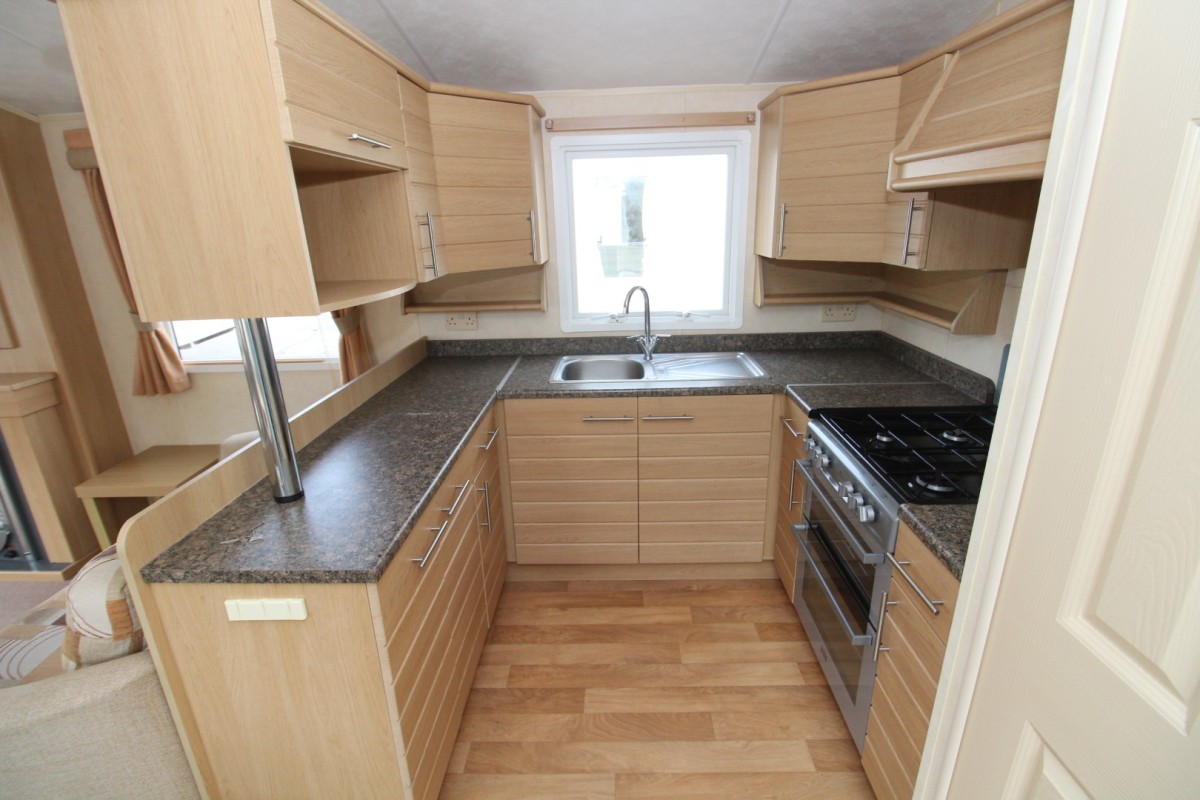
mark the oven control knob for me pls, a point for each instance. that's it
(866, 514)
(822, 459)
(856, 500)
(845, 490)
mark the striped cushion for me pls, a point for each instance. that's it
(29, 649)
(102, 623)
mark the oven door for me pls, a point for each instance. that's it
(834, 600)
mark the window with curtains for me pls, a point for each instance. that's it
(214, 341)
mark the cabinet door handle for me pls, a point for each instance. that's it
(462, 491)
(905, 254)
(487, 502)
(653, 418)
(792, 486)
(782, 222)
(608, 419)
(488, 446)
(932, 605)
(787, 423)
(879, 633)
(423, 560)
(358, 137)
(428, 225)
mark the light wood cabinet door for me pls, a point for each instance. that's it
(573, 471)
(823, 175)
(703, 464)
(912, 647)
(488, 158)
(238, 192)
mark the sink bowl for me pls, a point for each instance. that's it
(602, 369)
(677, 368)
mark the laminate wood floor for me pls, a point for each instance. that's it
(643, 689)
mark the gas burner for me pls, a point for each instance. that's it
(936, 484)
(884, 437)
(957, 436)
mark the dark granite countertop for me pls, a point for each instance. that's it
(945, 530)
(369, 477)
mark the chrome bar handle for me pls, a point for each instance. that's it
(488, 446)
(608, 419)
(879, 633)
(420, 562)
(932, 605)
(653, 418)
(358, 137)
(782, 222)
(792, 501)
(428, 224)
(912, 207)
(533, 237)
(856, 639)
(462, 491)
(487, 502)
(787, 423)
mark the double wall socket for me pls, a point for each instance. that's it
(463, 321)
(843, 312)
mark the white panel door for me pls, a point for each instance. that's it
(1089, 684)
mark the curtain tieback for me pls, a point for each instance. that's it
(138, 325)
(348, 320)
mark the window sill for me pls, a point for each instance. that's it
(283, 366)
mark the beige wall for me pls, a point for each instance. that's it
(218, 404)
(980, 353)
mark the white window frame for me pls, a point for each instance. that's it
(565, 146)
(235, 365)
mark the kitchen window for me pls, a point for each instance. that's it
(293, 339)
(666, 211)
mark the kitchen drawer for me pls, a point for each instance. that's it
(907, 668)
(931, 575)
(715, 414)
(589, 417)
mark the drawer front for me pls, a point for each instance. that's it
(578, 491)
(700, 552)
(937, 582)
(721, 445)
(576, 533)
(591, 417)
(571, 512)
(885, 723)
(904, 671)
(573, 469)
(718, 414)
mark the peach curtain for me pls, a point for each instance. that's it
(158, 368)
(352, 348)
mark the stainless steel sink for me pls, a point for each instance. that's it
(681, 368)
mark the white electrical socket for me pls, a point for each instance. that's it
(464, 321)
(843, 312)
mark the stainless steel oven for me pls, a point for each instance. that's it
(860, 465)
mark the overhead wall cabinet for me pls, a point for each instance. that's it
(281, 164)
(831, 191)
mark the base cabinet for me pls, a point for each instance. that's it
(912, 646)
(790, 493)
(384, 669)
(630, 480)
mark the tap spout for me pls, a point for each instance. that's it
(647, 340)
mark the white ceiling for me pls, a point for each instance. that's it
(544, 45)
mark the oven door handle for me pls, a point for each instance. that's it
(864, 555)
(857, 639)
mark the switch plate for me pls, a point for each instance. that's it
(843, 312)
(463, 321)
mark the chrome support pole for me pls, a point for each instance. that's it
(13, 500)
(266, 396)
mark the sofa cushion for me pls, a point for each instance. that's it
(102, 623)
(29, 649)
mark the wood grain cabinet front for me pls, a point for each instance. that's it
(252, 153)
(916, 623)
(384, 669)
(651, 480)
(790, 492)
